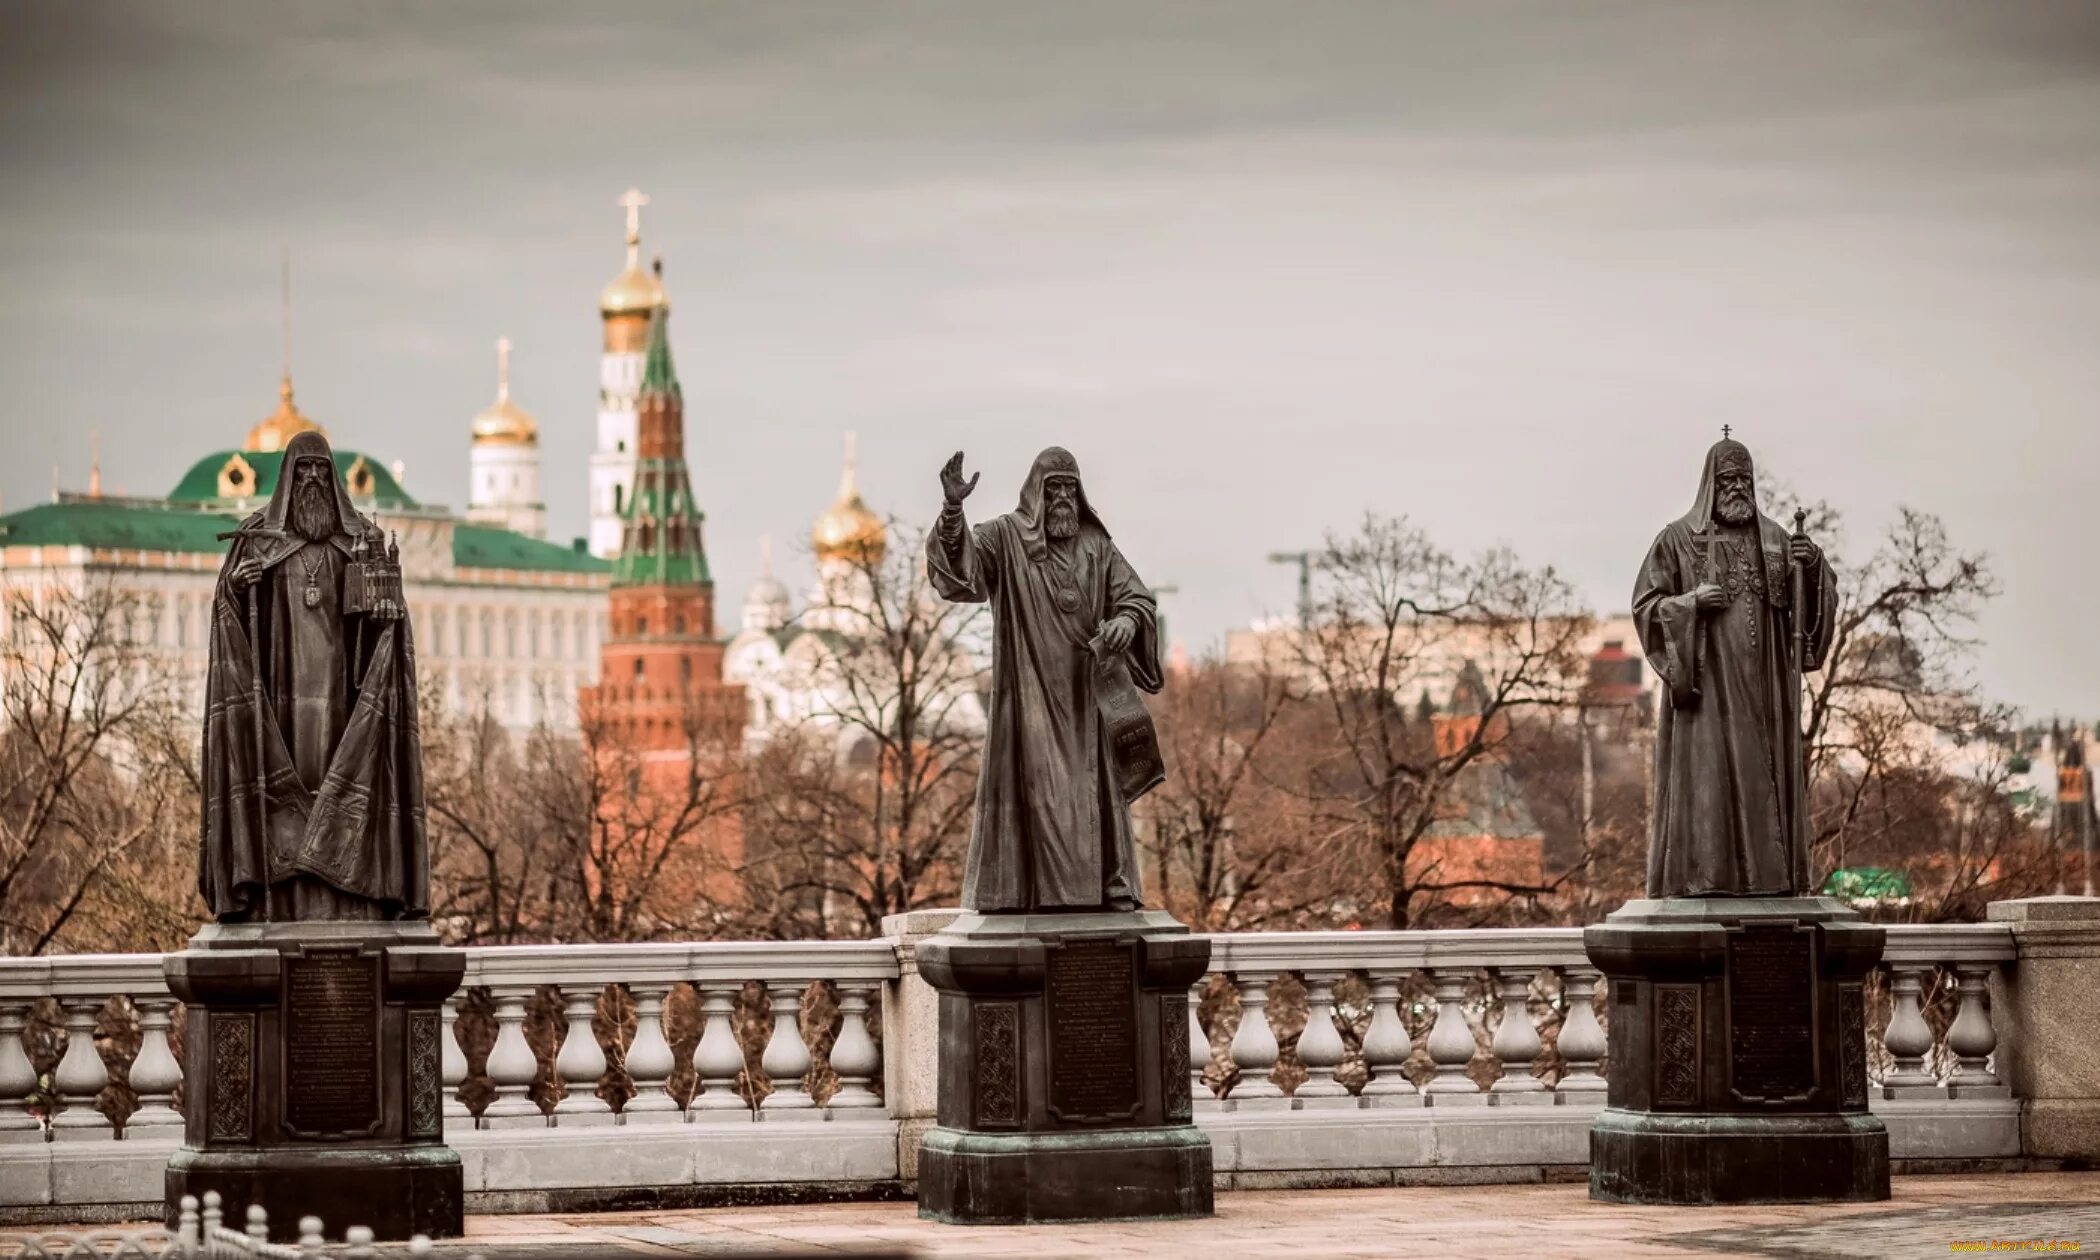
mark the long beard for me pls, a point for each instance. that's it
(1735, 511)
(313, 513)
(1064, 520)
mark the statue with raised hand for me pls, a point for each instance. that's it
(1065, 754)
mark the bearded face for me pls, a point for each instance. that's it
(313, 501)
(1062, 496)
(1735, 496)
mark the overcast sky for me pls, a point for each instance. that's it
(1504, 269)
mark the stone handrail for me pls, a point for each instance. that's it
(1311, 1053)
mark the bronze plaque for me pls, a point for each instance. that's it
(1092, 1014)
(1771, 1013)
(331, 1043)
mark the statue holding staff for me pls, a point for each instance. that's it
(1732, 610)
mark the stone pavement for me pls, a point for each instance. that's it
(1928, 1216)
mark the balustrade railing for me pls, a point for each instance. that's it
(1307, 1028)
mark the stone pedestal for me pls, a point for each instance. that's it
(1738, 1054)
(313, 1075)
(2042, 1006)
(1064, 1071)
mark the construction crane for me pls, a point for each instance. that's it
(1304, 561)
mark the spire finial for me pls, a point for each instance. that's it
(765, 556)
(94, 463)
(849, 475)
(285, 314)
(502, 369)
(634, 199)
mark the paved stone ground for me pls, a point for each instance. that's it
(1927, 1217)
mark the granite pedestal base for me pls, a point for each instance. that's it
(313, 1073)
(1738, 1054)
(1064, 1073)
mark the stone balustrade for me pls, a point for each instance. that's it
(667, 1073)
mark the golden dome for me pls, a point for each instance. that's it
(278, 428)
(634, 291)
(847, 530)
(505, 423)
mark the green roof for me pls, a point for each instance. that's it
(485, 547)
(658, 376)
(123, 526)
(115, 525)
(201, 483)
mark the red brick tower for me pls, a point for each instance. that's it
(660, 686)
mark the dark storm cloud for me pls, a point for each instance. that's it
(1505, 268)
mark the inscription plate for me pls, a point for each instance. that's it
(1771, 1014)
(331, 1043)
(1092, 1015)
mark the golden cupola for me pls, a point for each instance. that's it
(633, 297)
(504, 422)
(274, 431)
(847, 530)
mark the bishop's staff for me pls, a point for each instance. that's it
(1799, 572)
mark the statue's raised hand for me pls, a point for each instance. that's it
(953, 488)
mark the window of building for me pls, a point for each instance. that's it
(638, 669)
(685, 669)
(488, 635)
(510, 635)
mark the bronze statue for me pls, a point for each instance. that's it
(1068, 745)
(1731, 611)
(313, 789)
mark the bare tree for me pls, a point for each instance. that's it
(601, 833)
(1393, 614)
(97, 780)
(1222, 838)
(863, 810)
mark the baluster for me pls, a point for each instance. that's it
(359, 1240)
(452, 1068)
(581, 1062)
(1909, 1037)
(81, 1074)
(154, 1073)
(1516, 1042)
(258, 1229)
(187, 1229)
(650, 1061)
(1202, 1097)
(512, 1067)
(17, 1079)
(1582, 1041)
(1386, 1047)
(1320, 1047)
(718, 1058)
(1254, 1049)
(786, 1059)
(1451, 1044)
(853, 1054)
(311, 1243)
(1971, 1037)
(211, 1222)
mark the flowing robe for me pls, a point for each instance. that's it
(322, 816)
(1051, 830)
(1729, 816)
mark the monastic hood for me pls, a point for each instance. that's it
(1054, 461)
(308, 445)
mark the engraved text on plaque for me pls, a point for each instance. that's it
(331, 1043)
(1771, 1013)
(1092, 1014)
